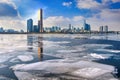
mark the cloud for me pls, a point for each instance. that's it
(67, 4)
(56, 21)
(78, 18)
(10, 23)
(112, 20)
(9, 16)
(106, 17)
(87, 4)
(7, 10)
(115, 1)
(63, 22)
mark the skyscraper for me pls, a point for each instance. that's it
(40, 20)
(29, 25)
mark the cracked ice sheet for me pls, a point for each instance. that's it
(61, 66)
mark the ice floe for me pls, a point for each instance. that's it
(55, 42)
(5, 78)
(67, 51)
(3, 66)
(97, 56)
(4, 58)
(52, 68)
(90, 72)
(95, 45)
(25, 58)
(14, 60)
(108, 50)
(101, 56)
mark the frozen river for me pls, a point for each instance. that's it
(59, 57)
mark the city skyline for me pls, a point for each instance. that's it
(13, 14)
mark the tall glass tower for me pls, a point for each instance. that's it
(29, 25)
(40, 20)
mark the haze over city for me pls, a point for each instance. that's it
(60, 13)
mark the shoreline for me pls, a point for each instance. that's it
(68, 33)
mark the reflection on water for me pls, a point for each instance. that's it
(40, 47)
(30, 43)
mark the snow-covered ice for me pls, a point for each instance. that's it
(84, 69)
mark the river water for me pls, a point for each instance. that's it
(30, 48)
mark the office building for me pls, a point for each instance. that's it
(29, 25)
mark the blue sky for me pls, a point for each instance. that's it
(61, 13)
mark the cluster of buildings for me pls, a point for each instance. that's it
(40, 29)
(2, 30)
(35, 28)
(103, 28)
